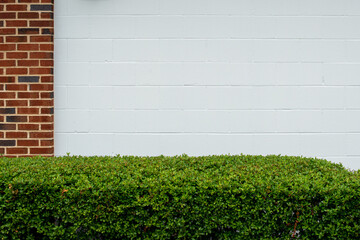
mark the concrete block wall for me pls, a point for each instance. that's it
(26, 78)
(150, 77)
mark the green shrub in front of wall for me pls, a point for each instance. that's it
(214, 197)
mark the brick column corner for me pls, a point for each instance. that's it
(26, 78)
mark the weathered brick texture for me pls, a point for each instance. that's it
(26, 78)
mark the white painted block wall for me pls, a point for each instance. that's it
(151, 77)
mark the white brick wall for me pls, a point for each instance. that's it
(150, 77)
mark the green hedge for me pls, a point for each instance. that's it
(214, 197)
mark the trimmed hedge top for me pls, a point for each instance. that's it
(223, 197)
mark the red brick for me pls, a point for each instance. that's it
(41, 135)
(41, 38)
(33, 143)
(7, 47)
(47, 127)
(28, 95)
(47, 111)
(47, 15)
(7, 95)
(16, 39)
(41, 119)
(33, 47)
(41, 71)
(42, 102)
(7, 63)
(47, 143)
(47, 47)
(43, 23)
(28, 126)
(16, 150)
(28, 63)
(17, 55)
(47, 63)
(16, 23)
(16, 103)
(16, 134)
(47, 95)
(16, 71)
(30, 1)
(16, 87)
(41, 55)
(7, 31)
(7, 15)
(41, 87)
(26, 57)
(47, 79)
(28, 111)
(16, 7)
(28, 15)
(41, 150)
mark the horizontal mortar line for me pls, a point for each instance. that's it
(135, 38)
(208, 38)
(207, 61)
(211, 133)
(167, 86)
(342, 15)
(254, 63)
(210, 86)
(227, 133)
(212, 109)
(95, 110)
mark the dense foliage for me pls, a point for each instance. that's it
(214, 197)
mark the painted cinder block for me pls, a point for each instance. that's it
(207, 77)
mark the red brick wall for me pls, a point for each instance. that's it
(26, 78)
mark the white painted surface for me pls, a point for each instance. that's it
(150, 77)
